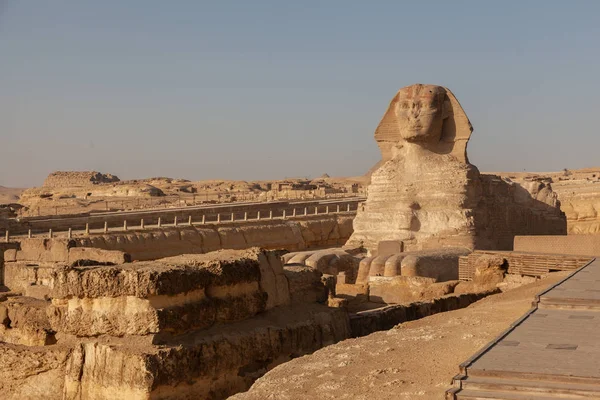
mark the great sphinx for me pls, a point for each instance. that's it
(425, 190)
(427, 204)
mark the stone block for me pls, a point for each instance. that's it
(25, 322)
(389, 247)
(82, 256)
(305, 285)
(168, 296)
(44, 250)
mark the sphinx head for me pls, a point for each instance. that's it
(426, 115)
(420, 112)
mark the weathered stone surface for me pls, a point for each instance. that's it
(317, 231)
(489, 270)
(184, 327)
(23, 320)
(23, 276)
(426, 194)
(507, 209)
(80, 256)
(32, 372)
(440, 264)
(305, 285)
(211, 364)
(328, 261)
(403, 289)
(172, 295)
(41, 250)
(78, 178)
(577, 190)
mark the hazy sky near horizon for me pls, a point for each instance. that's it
(272, 89)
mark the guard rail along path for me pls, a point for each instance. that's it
(288, 211)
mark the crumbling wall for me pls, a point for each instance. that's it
(172, 295)
(152, 244)
(192, 326)
(276, 234)
(507, 209)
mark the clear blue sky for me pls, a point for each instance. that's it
(272, 89)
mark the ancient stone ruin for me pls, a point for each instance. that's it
(78, 178)
(427, 206)
(427, 195)
(191, 326)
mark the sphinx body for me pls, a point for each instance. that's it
(427, 205)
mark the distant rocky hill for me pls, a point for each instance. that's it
(78, 178)
(9, 195)
(72, 192)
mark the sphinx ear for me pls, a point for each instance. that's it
(446, 108)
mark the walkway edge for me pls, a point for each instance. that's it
(450, 393)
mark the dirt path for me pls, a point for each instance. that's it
(415, 360)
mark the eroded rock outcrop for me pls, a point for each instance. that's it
(191, 326)
(60, 179)
(578, 192)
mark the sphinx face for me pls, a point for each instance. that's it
(420, 114)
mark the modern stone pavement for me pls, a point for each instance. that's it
(553, 352)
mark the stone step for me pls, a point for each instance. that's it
(569, 304)
(537, 377)
(531, 387)
(499, 395)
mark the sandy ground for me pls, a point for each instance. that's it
(415, 360)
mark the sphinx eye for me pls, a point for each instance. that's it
(404, 106)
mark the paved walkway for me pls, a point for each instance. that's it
(553, 352)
